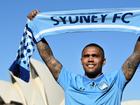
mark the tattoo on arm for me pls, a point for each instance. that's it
(132, 63)
(47, 56)
(130, 66)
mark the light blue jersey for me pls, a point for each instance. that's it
(107, 89)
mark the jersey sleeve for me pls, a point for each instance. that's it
(120, 79)
(65, 78)
(117, 78)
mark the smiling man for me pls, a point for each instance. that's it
(92, 60)
(93, 88)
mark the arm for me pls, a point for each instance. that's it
(132, 63)
(46, 54)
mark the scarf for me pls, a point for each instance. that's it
(57, 22)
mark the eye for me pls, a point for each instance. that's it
(86, 55)
(90, 55)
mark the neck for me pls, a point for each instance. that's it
(92, 76)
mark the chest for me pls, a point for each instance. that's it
(91, 92)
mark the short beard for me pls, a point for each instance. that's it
(93, 75)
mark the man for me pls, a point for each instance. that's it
(94, 88)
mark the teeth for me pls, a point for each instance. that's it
(90, 65)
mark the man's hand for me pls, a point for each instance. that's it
(32, 14)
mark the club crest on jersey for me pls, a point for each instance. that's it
(103, 86)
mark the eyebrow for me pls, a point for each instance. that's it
(88, 55)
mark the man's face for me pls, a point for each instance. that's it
(92, 61)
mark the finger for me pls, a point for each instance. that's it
(32, 14)
(35, 12)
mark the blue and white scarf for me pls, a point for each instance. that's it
(53, 23)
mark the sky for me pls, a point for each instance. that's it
(67, 47)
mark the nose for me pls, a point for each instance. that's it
(90, 58)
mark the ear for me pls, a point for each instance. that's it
(104, 62)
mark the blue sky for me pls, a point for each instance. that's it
(67, 47)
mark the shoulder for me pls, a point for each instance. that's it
(116, 77)
(66, 77)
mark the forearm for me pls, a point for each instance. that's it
(131, 64)
(47, 56)
(45, 51)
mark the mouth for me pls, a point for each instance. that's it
(90, 65)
